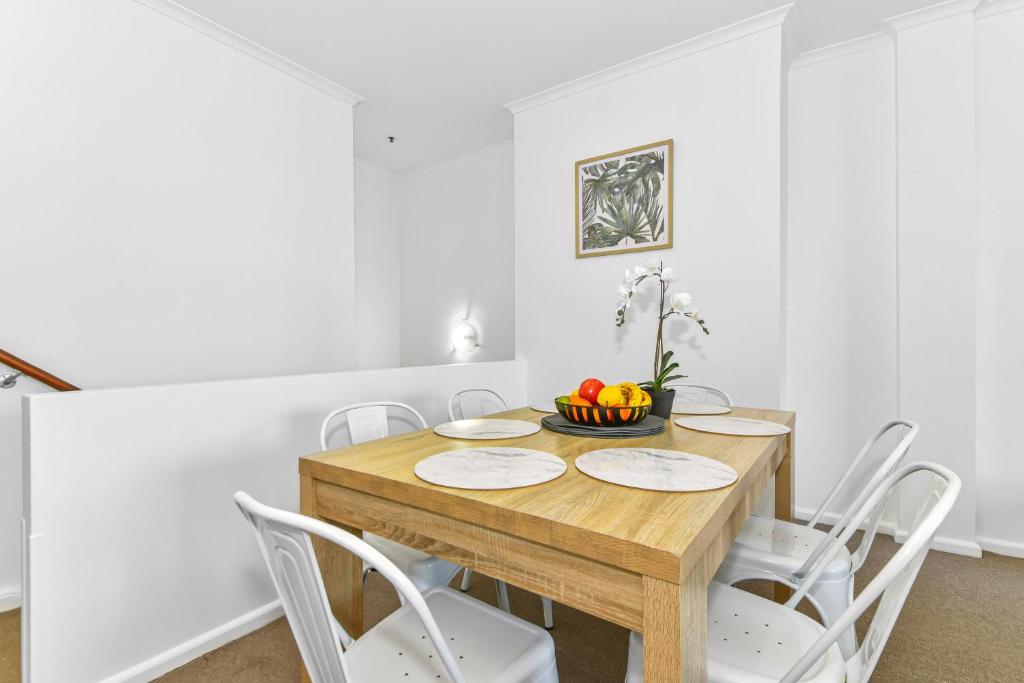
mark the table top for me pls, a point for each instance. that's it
(649, 532)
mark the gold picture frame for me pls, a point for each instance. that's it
(612, 223)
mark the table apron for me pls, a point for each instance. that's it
(601, 590)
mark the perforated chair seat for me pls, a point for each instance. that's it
(488, 644)
(774, 550)
(781, 548)
(753, 640)
(425, 571)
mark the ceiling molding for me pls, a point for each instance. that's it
(846, 48)
(994, 7)
(926, 15)
(705, 41)
(226, 36)
(466, 157)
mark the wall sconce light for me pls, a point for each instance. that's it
(464, 337)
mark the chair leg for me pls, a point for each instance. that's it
(466, 575)
(635, 659)
(832, 598)
(503, 595)
(549, 617)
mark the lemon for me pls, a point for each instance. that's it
(611, 397)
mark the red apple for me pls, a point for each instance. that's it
(590, 388)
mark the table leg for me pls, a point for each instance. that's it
(342, 571)
(784, 501)
(675, 628)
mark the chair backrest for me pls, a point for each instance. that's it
(472, 403)
(908, 432)
(369, 421)
(893, 583)
(698, 393)
(284, 539)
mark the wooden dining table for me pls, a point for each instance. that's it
(641, 559)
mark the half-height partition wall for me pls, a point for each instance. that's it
(137, 560)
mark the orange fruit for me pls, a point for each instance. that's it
(577, 400)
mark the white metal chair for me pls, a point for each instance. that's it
(699, 393)
(437, 635)
(753, 639)
(472, 403)
(468, 404)
(369, 421)
(784, 552)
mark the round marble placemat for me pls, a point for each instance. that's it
(683, 408)
(486, 429)
(546, 407)
(734, 426)
(656, 469)
(490, 468)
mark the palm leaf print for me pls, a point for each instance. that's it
(621, 201)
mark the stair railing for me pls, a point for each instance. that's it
(23, 367)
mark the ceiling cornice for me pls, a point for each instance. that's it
(926, 15)
(994, 7)
(844, 49)
(705, 41)
(226, 36)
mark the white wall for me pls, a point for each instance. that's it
(999, 63)
(905, 161)
(378, 263)
(726, 228)
(842, 284)
(935, 185)
(457, 257)
(130, 491)
(172, 209)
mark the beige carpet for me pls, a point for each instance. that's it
(964, 621)
(10, 646)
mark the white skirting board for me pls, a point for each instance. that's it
(1001, 547)
(956, 546)
(167, 661)
(10, 598)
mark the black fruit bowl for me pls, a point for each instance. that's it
(601, 416)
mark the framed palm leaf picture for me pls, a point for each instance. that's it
(624, 201)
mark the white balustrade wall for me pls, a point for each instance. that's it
(137, 558)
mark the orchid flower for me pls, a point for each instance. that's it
(678, 302)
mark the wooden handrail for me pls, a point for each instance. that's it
(32, 371)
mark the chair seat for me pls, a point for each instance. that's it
(488, 644)
(749, 636)
(425, 571)
(781, 548)
(753, 640)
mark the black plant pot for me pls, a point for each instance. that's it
(661, 403)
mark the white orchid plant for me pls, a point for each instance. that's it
(679, 303)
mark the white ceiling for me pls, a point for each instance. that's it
(435, 74)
